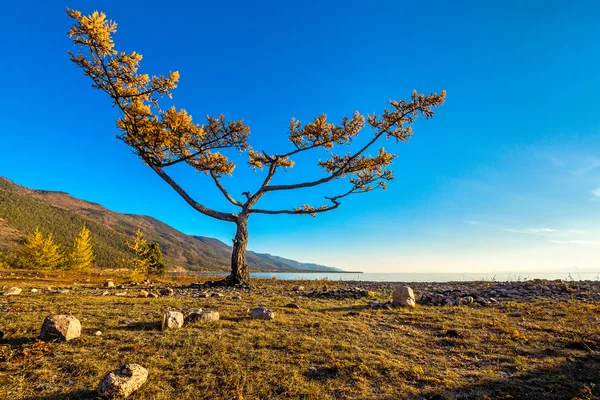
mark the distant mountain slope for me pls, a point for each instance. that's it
(22, 209)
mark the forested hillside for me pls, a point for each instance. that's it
(23, 209)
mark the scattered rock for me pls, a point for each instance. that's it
(403, 296)
(13, 291)
(166, 291)
(122, 382)
(204, 316)
(262, 313)
(297, 288)
(98, 333)
(292, 305)
(515, 314)
(109, 284)
(61, 327)
(34, 290)
(172, 320)
(143, 293)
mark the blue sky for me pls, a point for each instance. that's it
(506, 176)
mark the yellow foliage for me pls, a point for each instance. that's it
(138, 261)
(82, 255)
(41, 252)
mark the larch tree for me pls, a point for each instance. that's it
(41, 252)
(82, 254)
(139, 257)
(164, 138)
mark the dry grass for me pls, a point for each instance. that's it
(328, 349)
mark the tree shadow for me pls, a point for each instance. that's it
(140, 326)
(18, 341)
(354, 308)
(83, 394)
(577, 378)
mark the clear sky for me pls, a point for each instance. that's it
(506, 176)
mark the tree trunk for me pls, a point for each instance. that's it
(239, 267)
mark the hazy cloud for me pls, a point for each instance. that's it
(596, 192)
(583, 242)
(592, 163)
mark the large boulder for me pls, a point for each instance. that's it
(13, 291)
(204, 316)
(403, 296)
(172, 320)
(262, 313)
(122, 382)
(61, 327)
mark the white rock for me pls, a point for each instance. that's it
(62, 327)
(122, 382)
(204, 316)
(262, 313)
(34, 290)
(97, 333)
(403, 296)
(172, 320)
(13, 291)
(109, 284)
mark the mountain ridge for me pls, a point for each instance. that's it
(22, 209)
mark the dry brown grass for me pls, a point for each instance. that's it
(328, 349)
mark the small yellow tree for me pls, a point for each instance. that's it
(41, 252)
(138, 261)
(82, 255)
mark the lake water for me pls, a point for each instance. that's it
(428, 277)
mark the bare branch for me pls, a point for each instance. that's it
(224, 191)
(197, 206)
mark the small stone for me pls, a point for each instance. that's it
(297, 288)
(403, 296)
(13, 291)
(466, 300)
(217, 294)
(105, 293)
(143, 293)
(515, 314)
(70, 383)
(62, 327)
(109, 284)
(97, 333)
(121, 294)
(166, 292)
(204, 316)
(34, 290)
(63, 291)
(203, 295)
(122, 382)
(172, 320)
(292, 305)
(262, 313)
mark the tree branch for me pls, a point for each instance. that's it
(197, 206)
(224, 191)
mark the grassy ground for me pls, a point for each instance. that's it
(327, 349)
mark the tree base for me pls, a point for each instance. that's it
(231, 281)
